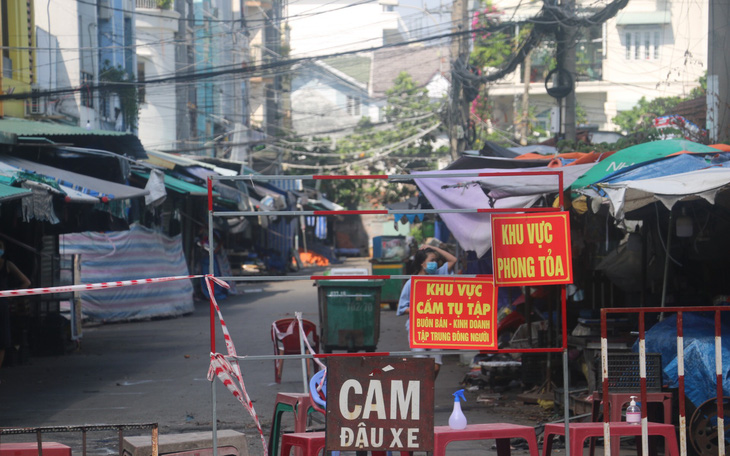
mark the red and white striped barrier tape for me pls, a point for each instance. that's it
(219, 366)
(306, 341)
(224, 369)
(91, 286)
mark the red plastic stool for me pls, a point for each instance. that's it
(299, 403)
(501, 432)
(616, 402)
(31, 449)
(311, 442)
(579, 432)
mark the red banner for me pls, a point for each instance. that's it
(453, 312)
(531, 249)
(379, 404)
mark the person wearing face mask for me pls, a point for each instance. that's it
(10, 276)
(425, 261)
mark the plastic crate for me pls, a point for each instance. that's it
(623, 372)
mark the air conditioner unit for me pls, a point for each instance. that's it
(35, 105)
(105, 9)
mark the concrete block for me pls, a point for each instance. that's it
(230, 443)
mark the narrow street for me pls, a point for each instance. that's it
(155, 371)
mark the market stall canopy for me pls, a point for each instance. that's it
(414, 202)
(201, 170)
(169, 161)
(640, 153)
(87, 185)
(479, 162)
(492, 149)
(178, 185)
(8, 192)
(627, 196)
(568, 158)
(13, 173)
(535, 149)
(473, 230)
(668, 166)
(14, 131)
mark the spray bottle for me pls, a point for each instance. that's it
(457, 420)
(633, 412)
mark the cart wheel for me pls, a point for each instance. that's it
(703, 427)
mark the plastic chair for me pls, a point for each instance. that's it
(301, 405)
(285, 335)
(319, 399)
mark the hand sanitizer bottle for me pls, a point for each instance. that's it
(633, 412)
(457, 420)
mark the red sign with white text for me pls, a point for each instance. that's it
(531, 249)
(453, 313)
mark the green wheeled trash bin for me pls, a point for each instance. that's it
(392, 288)
(349, 314)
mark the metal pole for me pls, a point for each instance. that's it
(566, 379)
(211, 271)
(604, 382)
(720, 375)
(666, 263)
(566, 401)
(680, 377)
(305, 379)
(642, 385)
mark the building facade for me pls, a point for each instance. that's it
(651, 48)
(18, 56)
(156, 58)
(356, 25)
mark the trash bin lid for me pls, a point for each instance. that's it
(348, 271)
(388, 260)
(350, 283)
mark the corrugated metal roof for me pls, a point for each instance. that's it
(85, 184)
(179, 185)
(8, 192)
(168, 161)
(13, 129)
(357, 67)
(29, 128)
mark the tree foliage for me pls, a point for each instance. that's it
(116, 80)
(491, 49)
(639, 120)
(641, 117)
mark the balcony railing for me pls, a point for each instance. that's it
(583, 72)
(154, 4)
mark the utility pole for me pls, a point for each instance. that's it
(566, 59)
(458, 108)
(526, 99)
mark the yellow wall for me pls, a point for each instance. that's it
(21, 33)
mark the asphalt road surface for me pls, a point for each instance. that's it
(155, 371)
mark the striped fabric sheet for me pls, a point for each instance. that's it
(139, 253)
